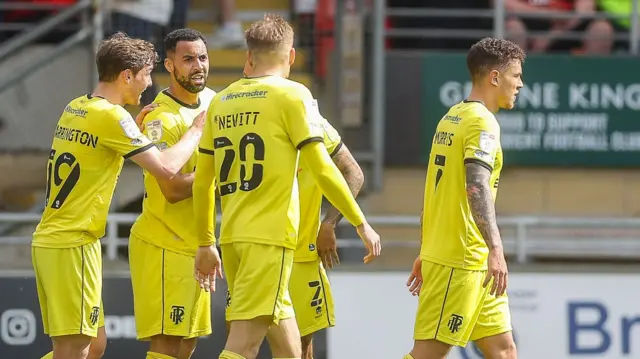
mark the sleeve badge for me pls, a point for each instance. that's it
(154, 130)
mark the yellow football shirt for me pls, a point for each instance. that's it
(469, 132)
(90, 143)
(254, 130)
(311, 201)
(163, 224)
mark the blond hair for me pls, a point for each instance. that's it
(271, 34)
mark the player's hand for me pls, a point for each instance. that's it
(371, 240)
(497, 270)
(198, 122)
(327, 248)
(208, 267)
(415, 278)
(145, 110)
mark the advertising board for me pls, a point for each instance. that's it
(559, 316)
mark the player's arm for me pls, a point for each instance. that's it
(204, 190)
(306, 130)
(162, 128)
(167, 164)
(352, 174)
(120, 133)
(481, 146)
(302, 121)
(481, 203)
(330, 181)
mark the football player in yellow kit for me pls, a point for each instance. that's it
(461, 262)
(171, 310)
(316, 249)
(256, 131)
(94, 136)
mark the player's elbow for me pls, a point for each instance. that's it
(322, 175)
(173, 198)
(171, 195)
(167, 170)
(172, 191)
(357, 176)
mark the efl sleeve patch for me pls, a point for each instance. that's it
(314, 119)
(130, 127)
(487, 142)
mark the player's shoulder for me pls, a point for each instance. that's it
(476, 109)
(109, 114)
(291, 89)
(473, 114)
(164, 112)
(98, 107)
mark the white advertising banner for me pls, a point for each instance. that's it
(555, 316)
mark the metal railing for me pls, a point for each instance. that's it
(498, 14)
(524, 237)
(91, 28)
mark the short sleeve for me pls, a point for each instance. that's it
(302, 118)
(331, 137)
(121, 134)
(162, 129)
(206, 145)
(482, 141)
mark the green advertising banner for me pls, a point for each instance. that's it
(573, 110)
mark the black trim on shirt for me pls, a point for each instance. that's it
(183, 104)
(479, 162)
(337, 149)
(475, 101)
(138, 150)
(206, 151)
(90, 96)
(257, 77)
(308, 141)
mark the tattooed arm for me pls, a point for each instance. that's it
(352, 174)
(481, 202)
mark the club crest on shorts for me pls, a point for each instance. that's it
(154, 129)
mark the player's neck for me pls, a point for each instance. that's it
(183, 95)
(109, 92)
(485, 97)
(260, 71)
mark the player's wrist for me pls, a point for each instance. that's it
(496, 248)
(363, 225)
(328, 223)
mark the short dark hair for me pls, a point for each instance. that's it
(121, 52)
(490, 54)
(175, 36)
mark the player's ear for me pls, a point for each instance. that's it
(292, 56)
(168, 64)
(494, 77)
(127, 75)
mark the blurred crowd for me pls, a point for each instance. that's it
(147, 19)
(536, 25)
(544, 30)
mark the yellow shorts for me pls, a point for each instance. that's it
(258, 280)
(454, 308)
(311, 297)
(166, 297)
(69, 283)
